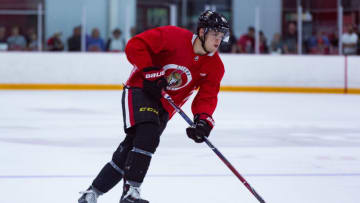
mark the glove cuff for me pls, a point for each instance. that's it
(153, 73)
(206, 117)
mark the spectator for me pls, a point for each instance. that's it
(74, 42)
(334, 43)
(263, 47)
(33, 42)
(115, 43)
(247, 41)
(55, 43)
(276, 46)
(28, 35)
(349, 40)
(3, 43)
(231, 46)
(15, 40)
(95, 42)
(290, 40)
(319, 44)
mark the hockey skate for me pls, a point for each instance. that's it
(131, 194)
(88, 196)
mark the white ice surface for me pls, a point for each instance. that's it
(298, 148)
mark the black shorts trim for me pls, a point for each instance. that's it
(138, 107)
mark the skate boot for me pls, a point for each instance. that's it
(89, 196)
(131, 194)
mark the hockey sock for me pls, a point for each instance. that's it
(145, 142)
(137, 164)
(113, 172)
(108, 177)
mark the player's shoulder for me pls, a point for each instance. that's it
(214, 66)
(217, 60)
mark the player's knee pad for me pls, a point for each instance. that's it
(120, 154)
(147, 137)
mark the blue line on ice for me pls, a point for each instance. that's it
(190, 175)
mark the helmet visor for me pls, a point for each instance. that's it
(226, 33)
(226, 37)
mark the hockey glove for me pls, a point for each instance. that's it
(203, 125)
(154, 82)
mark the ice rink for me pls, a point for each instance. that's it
(298, 148)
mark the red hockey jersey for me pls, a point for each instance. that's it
(171, 48)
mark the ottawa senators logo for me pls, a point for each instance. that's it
(177, 76)
(174, 79)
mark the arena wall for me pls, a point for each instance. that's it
(275, 73)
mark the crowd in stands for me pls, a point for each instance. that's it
(15, 41)
(319, 43)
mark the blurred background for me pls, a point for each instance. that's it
(307, 145)
(326, 27)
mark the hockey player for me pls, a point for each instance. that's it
(175, 60)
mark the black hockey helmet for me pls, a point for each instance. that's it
(211, 20)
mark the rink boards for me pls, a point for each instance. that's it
(106, 71)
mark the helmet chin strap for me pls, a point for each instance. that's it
(202, 39)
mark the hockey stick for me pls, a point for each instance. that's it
(217, 152)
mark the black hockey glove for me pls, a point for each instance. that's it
(154, 82)
(203, 125)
